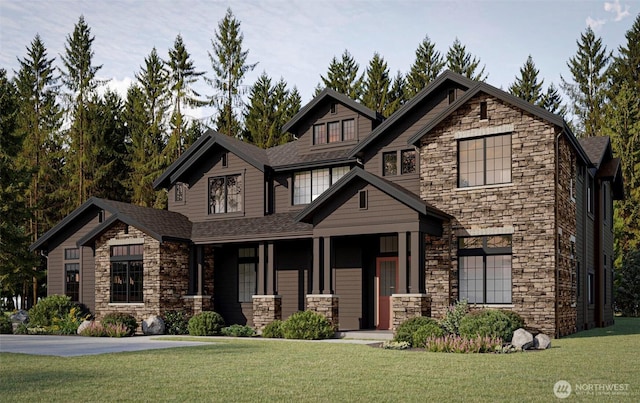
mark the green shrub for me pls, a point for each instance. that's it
(421, 335)
(238, 331)
(515, 319)
(307, 325)
(273, 330)
(69, 323)
(395, 345)
(451, 321)
(487, 322)
(121, 318)
(21, 329)
(5, 324)
(53, 306)
(406, 330)
(206, 323)
(176, 322)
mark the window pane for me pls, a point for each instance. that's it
(246, 281)
(498, 279)
(179, 192)
(234, 193)
(473, 242)
(471, 279)
(119, 282)
(499, 241)
(498, 149)
(390, 164)
(72, 281)
(348, 130)
(319, 182)
(334, 132)
(408, 161)
(471, 163)
(338, 172)
(135, 281)
(136, 249)
(72, 253)
(216, 195)
(319, 134)
(302, 187)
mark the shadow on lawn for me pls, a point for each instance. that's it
(621, 327)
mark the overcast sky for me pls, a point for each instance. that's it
(296, 40)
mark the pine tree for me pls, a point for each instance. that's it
(16, 263)
(527, 86)
(229, 63)
(79, 76)
(588, 90)
(427, 66)
(182, 75)
(270, 107)
(461, 62)
(38, 121)
(552, 101)
(396, 95)
(376, 85)
(342, 76)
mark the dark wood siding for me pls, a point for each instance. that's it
(344, 210)
(348, 281)
(322, 114)
(195, 206)
(293, 260)
(282, 188)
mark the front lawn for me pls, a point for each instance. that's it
(266, 370)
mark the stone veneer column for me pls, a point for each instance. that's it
(406, 306)
(327, 305)
(266, 309)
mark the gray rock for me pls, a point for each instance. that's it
(522, 339)
(84, 325)
(21, 316)
(153, 325)
(542, 342)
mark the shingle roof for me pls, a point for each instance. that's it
(286, 156)
(595, 147)
(271, 226)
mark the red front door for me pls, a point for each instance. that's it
(386, 279)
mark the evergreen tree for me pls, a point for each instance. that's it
(229, 63)
(182, 75)
(38, 122)
(193, 133)
(376, 85)
(427, 66)
(527, 86)
(16, 263)
(588, 90)
(552, 101)
(79, 76)
(342, 76)
(396, 95)
(270, 107)
(461, 62)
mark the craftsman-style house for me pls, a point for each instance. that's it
(466, 192)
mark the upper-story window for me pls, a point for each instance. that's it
(484, 161)
(590, 194)
(407, 162)
(179, 192)
(308, 185)
(225, 194)
(334, 132)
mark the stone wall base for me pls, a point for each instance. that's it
(327, 305)
(266, 309)
(406, 306)
(194, 304)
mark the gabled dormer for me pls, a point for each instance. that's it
(331, 121)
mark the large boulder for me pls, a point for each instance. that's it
(85, 324)
(541, 342)
(153, 325)
(522, 339)
(21, 316)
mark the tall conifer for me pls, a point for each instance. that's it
(426, 67)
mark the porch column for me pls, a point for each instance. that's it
(261, 269)
(417, 262)
(327, 289)
(401, 287)
(200, 266)
(270, 269)
(315, 270)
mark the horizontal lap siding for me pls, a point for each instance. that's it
(196, 195)
(349, 290)
(288, 287)
(345, 210)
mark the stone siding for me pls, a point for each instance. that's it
(406, 306)
(266, 309)
(327, 305)
(525, 207)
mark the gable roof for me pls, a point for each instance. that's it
(162, 225)
(248, 152)
(596, 148)
(328, 93)
(286, 156)
(542, 113)
(447, 76)
(395, 191)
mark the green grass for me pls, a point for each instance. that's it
(263, 370)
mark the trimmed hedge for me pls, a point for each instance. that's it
(273, 330)
(207, 323)
(307, 325)
(425, 332)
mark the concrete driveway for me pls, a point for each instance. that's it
(71, 346)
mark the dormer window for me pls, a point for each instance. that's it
(348, 130)
(319, 134)
(334, 132)
(333, 108)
